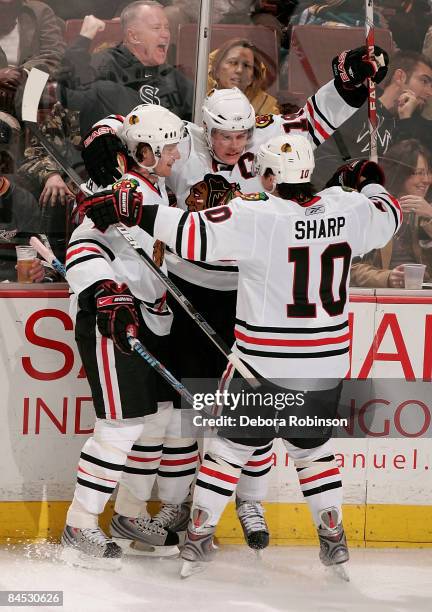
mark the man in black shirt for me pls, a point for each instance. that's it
(134, 72)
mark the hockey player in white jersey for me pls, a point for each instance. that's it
(225, 146)
(134, 429)
(292, 314)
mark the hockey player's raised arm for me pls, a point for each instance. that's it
(223, 232)
(379, 218)
(334, 102)
(375, 215)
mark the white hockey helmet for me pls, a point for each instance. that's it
(153, 125)
(227, 109)
(290, 158)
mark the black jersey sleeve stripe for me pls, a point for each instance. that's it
(206, 266)
(179, 237)
(203, 235)
(292, 330)
(81, 259)
(312, 133)
(292, 355)
(323, 117)
(92, 241)
(148, 219)
(391, 206)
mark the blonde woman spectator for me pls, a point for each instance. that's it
(238, 63)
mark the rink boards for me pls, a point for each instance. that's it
(47, 414)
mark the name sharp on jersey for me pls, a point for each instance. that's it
(313, 229)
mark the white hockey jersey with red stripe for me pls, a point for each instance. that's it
(93, 255)
(294, 263)
(317, 120)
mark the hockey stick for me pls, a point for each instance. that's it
(48, 255)
(307, 67)
(372, 112)
(134, 343)
(189, 308)
(28, 115)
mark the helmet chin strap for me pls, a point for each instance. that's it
(150, 169)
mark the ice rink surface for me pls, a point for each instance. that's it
(293, 579)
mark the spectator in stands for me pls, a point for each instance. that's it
(407, 88)
(61, 127)
(238, 63)
(407, 166)
(10, 136)
(30, 36)
(132, 73)
(409, 23)
(19, 220)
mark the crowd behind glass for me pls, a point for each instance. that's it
(98, 66)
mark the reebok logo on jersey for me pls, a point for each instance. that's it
(315, 210)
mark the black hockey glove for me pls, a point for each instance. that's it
(213, 190)
(357, 174)
(352, 68)
(122, 204)
(116, 313)
(103, 153)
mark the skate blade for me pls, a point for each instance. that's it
(141, 549)
(189, 568)
(340, 572)
(75, 557)
(258, 555)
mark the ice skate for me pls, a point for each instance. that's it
(199, 548)
(90, 548)
(143, 536)
(174, 517)
(333, 545)
(255, 530)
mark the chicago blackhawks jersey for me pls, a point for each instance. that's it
(93, 255)
(322, 114)
(294, 263)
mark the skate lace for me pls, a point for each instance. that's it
(95, 536)
(251, 516)
(166, 514)
(149, 526)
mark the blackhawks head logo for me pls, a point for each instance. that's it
(125, 184)
(259, 196)
(213, 190)
(262, 121)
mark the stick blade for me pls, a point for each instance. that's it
(34, 87)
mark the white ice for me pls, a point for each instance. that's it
(287, 578)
